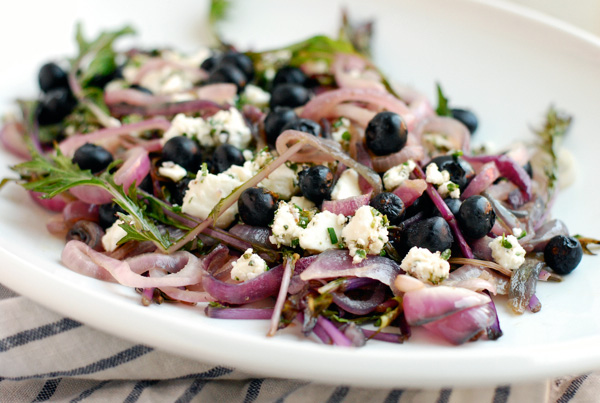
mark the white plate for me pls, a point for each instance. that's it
(507, 64)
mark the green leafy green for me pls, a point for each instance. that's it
(59, 174)
(442, 109)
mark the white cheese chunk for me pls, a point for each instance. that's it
(346, 186)
(285, 225)
(173, 171)
(450, 189)
(425, 265)
(394, 176)
(248, 266)
(317, 237)
(231, 128)
(434, 176)
(340, 128)
(206, 191)
(256, 95)
(112, 236)
(365, 234)
(196, 128)
(507, 252)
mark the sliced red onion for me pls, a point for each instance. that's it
(454, 130)
(56, 225)
(158, 63)
(186, 295)
(201, 106)
(71, 144)
(345, 66)
(384, 336)
(510, 170)
(433, 303)
(322, 150)
(87, 232)
(296, 284)
(477, 279)
(56, 203)
(132, 96)
(534, 304)
(354, 334)
(360, 306)
(464, 325)
(261, 287)
(481, 248)
(413, 152)
(336, 263)
(12, 137)
(543, 235)
(323, 105)
(80, 258)
(493, 331)
(134, 169)
(544, 275)
(357, 114)
(288, 269)
(362, 157)
(348, 206)
(410, 190)
(219, 93)
(417, 102)
(78, 210)
(238, 313)
(254, 235)
(486, 177)
(405, 283)
(522, 285)
(507, 219)
(337, 337)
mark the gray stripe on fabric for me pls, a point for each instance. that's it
(572, 389)
(86, 393)
(6, 293)
(115, 360)
(339, 394)
(501, 394)
(444, 396)
(253, 390)
(191, 392)
(394, 396)
(137, 390)
(38, 333)
(48, 390)
(210, 374)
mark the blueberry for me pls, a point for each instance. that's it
(390, 205)
(476, 217)
(92, 157)
(316, 183)
(276, 120)
(225, 156)
(290, 95)
(241, 61)
(257, 207)
(432, 233)
(228, 73)
(183, 151)
(304, 125)
(422, 205)
(54, 106)
(527, 167)
(51, 77)
(466, 117)
(178, 191)
(140, 88)
(453, 205)
(563, 254)
(210, 63)
(386, 133)
(146, 184)
(108, 214)
(461, 172)
(100, 80)
(289, 75)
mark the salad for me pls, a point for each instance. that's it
(295, 185)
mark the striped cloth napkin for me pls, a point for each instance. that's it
(47, 357)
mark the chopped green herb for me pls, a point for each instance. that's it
(295, 243)
(522, 235)
(505, 243)
(361, 253)
(442, 109)
(446, 254)
(332, 236)
(346, 136)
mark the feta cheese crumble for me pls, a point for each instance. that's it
(285, 227)
(171, 170)
(248, 266)
(256, 95)
(206, 191)
(449, 189)
(394, 176)
(341, 133)
(197, 128)
(323, 232)
(346, 186)
(112, 236)
(302, 202)
(434, 176)
(507, 252)
(425, 265)
(365, 234)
